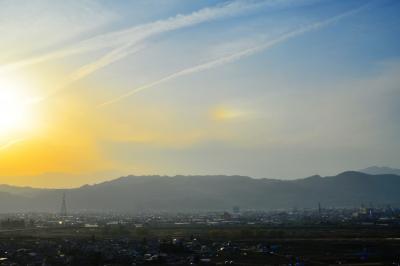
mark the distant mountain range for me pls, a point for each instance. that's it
(204, 193)
(377, 170)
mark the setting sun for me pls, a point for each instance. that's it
(14, 109)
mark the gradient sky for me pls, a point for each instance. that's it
(270, 88)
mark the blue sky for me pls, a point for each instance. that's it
(266, 88)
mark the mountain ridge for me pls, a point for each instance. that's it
(207, 193)
(379, 170)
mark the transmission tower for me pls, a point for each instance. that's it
(63, 206)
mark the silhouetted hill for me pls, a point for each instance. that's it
(195, 193)
(377, 170)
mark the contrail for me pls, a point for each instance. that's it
(136, 34)
(180, 21)
(113, 56)
(90, 68)
(236, 56)
(10, 143)
(129, 41)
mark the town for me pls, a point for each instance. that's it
(366, 235)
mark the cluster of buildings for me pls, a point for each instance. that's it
(214, 238)
(383, 216)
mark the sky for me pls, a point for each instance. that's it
(92, 90)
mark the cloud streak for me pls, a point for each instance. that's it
(113, 56)
(136, 35)
(235, 56)
(131, 40)
(10, 143)
(40, 24)
(123, 40)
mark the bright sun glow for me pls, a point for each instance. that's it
(15, 115)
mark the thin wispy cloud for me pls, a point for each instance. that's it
(40, 24)
(92, 67)
(104, 61)
(235, 56)
(123, 40)
(136, 35)
(10, 143)
(129, 41)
